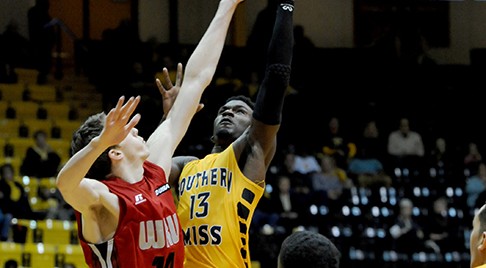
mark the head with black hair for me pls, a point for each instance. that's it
(308, 249)
(233, 118)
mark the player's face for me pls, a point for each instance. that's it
(233, 119)
(134, 145)
(476, 242)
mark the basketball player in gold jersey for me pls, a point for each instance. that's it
(218, 194)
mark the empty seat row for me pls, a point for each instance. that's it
(37, 110)
(29, 92)
(41, 255)
(47, 231)
(56, 129)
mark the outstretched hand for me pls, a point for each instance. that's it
(170, 91)
(117, 124)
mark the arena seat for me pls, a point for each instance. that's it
(67, 128)
(39, 255)
(36, 124)
(20, 146)
(57, 110)
(11, 92)
(10, 251)
(44, 93)
(9, 128)
(25, 109)
(55, 231)
(72, 254)
(26, 75)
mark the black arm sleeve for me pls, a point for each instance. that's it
(269, 102)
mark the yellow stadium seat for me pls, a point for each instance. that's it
(49, 183)
(62, 148)
(25, 109)
(10, 251)
(3, 109)
(55, 231)
(73, 254)
(11, 92)
(57, 110)
(35, 124)
(67, 128)
(2, 145)
(20, 146)
(9, 128)
(25, 75)
(42, 92)
(39, 255)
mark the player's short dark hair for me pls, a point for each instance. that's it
(308, 249)
(242, 98)
(90, 129)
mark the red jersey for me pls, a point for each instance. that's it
(149, 233)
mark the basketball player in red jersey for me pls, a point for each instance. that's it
(117, 182)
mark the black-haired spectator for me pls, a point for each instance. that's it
(40, 160)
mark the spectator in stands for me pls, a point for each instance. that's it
(368, 171)
(5, 216)
(302, 161)
(329, 183)
(371, 142)
(288, 204)
(338, 145)
(366, 167)
(439, 229)
(475, 185)
(406, 231)
(40, 160)
(14, 201)
(472, 159)
(406, 147)
(440, 161)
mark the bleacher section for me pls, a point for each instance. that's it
(26, 107)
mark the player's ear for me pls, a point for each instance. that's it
(115, 154)
(482, 242)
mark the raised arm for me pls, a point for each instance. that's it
(169, 91)
(200, 69)
(83, 193)
(269, 103)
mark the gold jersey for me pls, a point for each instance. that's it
(216, 205)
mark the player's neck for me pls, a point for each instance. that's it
(218, 148)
